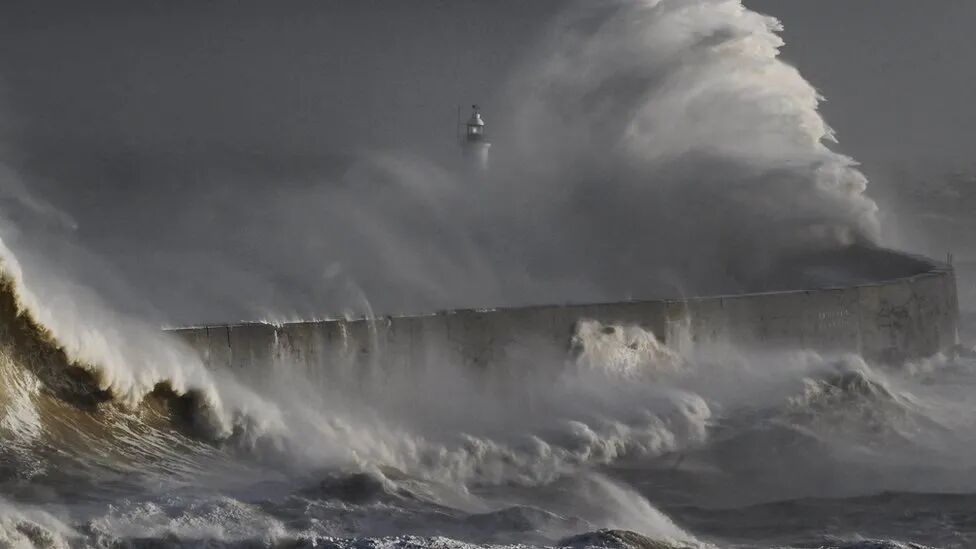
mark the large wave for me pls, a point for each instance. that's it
(643, 149)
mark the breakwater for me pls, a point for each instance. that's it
(911, 311)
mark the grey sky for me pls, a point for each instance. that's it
(899, 75)
(312, 77)
(295, 79)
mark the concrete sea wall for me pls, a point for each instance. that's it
(909, 316)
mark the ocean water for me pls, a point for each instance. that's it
(624, 443)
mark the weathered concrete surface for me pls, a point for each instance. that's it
(910, 315)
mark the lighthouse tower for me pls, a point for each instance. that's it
(474, 143)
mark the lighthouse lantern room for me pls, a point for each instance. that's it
(475, 144)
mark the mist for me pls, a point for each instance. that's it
(612, 138)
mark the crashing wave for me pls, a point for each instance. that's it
(29, 527)
(617, 539)
(623, 350)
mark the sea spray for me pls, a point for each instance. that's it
(673, 152)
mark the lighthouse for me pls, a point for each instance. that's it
(474, 143)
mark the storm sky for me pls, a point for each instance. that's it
(119, 113)
(309, 78)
